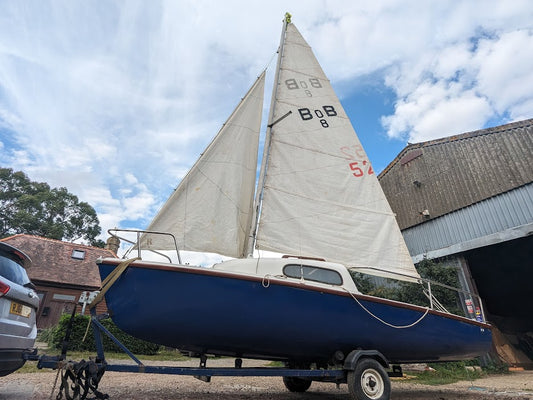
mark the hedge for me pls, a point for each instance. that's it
(56, 334)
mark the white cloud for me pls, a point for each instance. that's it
(116, 101)
(505, 67)
(461, 86)
(436, 110)
(521, 111)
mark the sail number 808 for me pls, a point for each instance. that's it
(293, 84)
(306, 114)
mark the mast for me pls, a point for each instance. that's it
(250, 240)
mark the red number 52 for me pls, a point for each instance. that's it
(358, 171)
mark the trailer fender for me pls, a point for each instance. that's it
(353, 358)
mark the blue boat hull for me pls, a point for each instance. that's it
(206, 311)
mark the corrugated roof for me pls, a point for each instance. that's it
(503, 217)
(447, 174)
(53, 262)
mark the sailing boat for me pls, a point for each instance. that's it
(318, 199)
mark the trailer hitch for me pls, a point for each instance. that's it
(79, 379)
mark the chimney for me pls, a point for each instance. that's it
(113, 244)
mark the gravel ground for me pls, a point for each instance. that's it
(122, 386)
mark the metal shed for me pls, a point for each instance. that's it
(468, 199)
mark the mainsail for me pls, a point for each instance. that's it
(321, 197)
(318, 195)
(211, 209)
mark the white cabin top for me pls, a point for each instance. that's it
(310, 272)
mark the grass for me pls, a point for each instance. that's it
(444, 373)
(451, 372)
(162, 355)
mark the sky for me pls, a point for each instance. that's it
(115, 100)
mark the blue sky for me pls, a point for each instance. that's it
(115, 100)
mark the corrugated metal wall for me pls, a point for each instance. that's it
(491, 216)
(448, 174)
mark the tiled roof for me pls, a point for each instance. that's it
(53, 262)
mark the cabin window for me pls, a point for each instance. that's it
(311, 273)
(78, 254)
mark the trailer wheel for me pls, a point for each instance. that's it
(294, 384)
(368, 381)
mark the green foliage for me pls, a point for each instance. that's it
(46, 335)
(413, 292)
(496, 366)
(79, 327)
(36, 209)
(428, 269)
(378, 287)
(449, 372)
(363, 282)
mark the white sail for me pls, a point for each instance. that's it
(211, 209)
(321, 197)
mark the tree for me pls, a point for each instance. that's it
(33, 208)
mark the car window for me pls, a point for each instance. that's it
(312, 273)
(12, 271)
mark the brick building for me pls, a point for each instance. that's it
(61, 272)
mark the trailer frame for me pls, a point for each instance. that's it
(79, 379)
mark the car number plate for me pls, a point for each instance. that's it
(20, 309)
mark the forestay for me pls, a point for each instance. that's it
(321, 197)
(211, 209)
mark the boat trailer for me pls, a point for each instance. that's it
(363, 370)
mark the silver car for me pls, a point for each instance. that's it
(18, 309)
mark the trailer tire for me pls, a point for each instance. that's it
(369, 381)
(295, 384)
